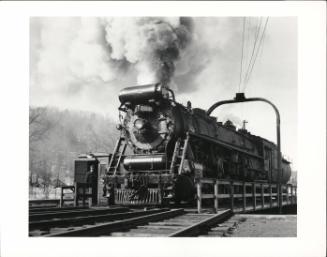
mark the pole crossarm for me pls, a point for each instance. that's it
(240, 98)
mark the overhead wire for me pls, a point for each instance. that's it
(262, 47)
(259, 48)
(256, 54)
(253, 50)
(247, 42)
(241, 68)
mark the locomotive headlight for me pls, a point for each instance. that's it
(139, 124)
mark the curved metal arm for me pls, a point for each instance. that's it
(240, 97)
(172, 94)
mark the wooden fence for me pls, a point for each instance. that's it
(249, 196)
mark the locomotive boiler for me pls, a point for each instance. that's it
(164, 147)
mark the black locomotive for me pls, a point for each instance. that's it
(165, 147)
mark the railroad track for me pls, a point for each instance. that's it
(68, 223)
(48, 203)
(54, 209)
(185, 225)
(60, 214)
(155, 222)
(48, 222)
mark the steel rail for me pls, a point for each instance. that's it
(31, 207)
(52, 214)
(55, 209)
(197, 228)
(46, 224)
(44, 202)
(117, 226)
(66, 214)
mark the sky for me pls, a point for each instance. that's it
(82, 63)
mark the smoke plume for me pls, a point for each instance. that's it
(82, 63)
(153, 45)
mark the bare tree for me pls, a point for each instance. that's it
(39, 125)
(57, 137)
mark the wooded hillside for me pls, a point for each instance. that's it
(57, 137)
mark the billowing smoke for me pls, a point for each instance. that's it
(152, 44)
(82, 63)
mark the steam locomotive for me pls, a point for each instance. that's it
(164, 147)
